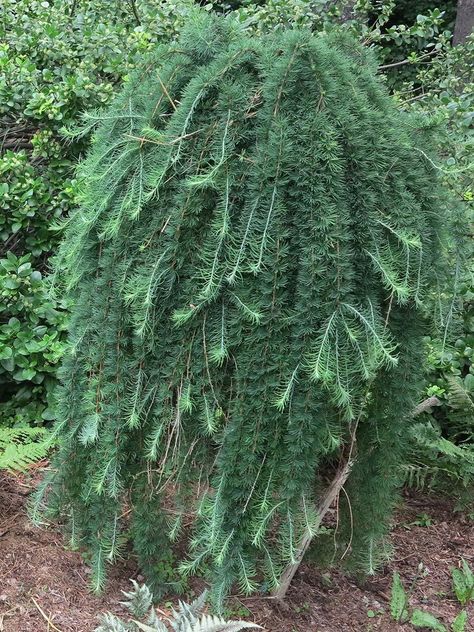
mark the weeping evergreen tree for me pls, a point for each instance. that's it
(259, 226)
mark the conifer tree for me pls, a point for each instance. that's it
(249, 266)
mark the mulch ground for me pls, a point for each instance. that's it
(44, 586)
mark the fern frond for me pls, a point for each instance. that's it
(111, 623)
(139, 600)
(210, 623)
(20, 447)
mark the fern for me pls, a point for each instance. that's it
(461, 416)
(209, 623)
(188, 617)
(139, 600)
(438, 459)
(20, 447)
(111, 623)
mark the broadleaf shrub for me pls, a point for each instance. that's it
(57, 59)
(442, 450)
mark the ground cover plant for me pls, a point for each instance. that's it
(250, 288)
(22, 446)
(187, 618)
(463, 588)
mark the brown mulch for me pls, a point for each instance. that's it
(41, 580)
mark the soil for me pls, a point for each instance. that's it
(44, 586)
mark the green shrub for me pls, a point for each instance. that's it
(30, 341)
(243, 271)
(442, 453)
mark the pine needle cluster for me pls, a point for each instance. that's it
(258, 230)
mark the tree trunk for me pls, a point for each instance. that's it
(327, 499)
(464, 21)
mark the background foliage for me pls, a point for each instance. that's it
(443, 448)
(57, 59)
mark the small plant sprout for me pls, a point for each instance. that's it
(399, 600)
(463, 583)
(400, 609)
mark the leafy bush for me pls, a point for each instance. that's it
(396, 33)
(30, 340)
(443, 445)
(57, 59)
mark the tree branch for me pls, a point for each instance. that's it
(135, 12)
(425, 406)
(407, 61)
(327, 499)
(16, 144)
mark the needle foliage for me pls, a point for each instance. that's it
(258, 229)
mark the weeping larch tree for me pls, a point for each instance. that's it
(248, 270)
